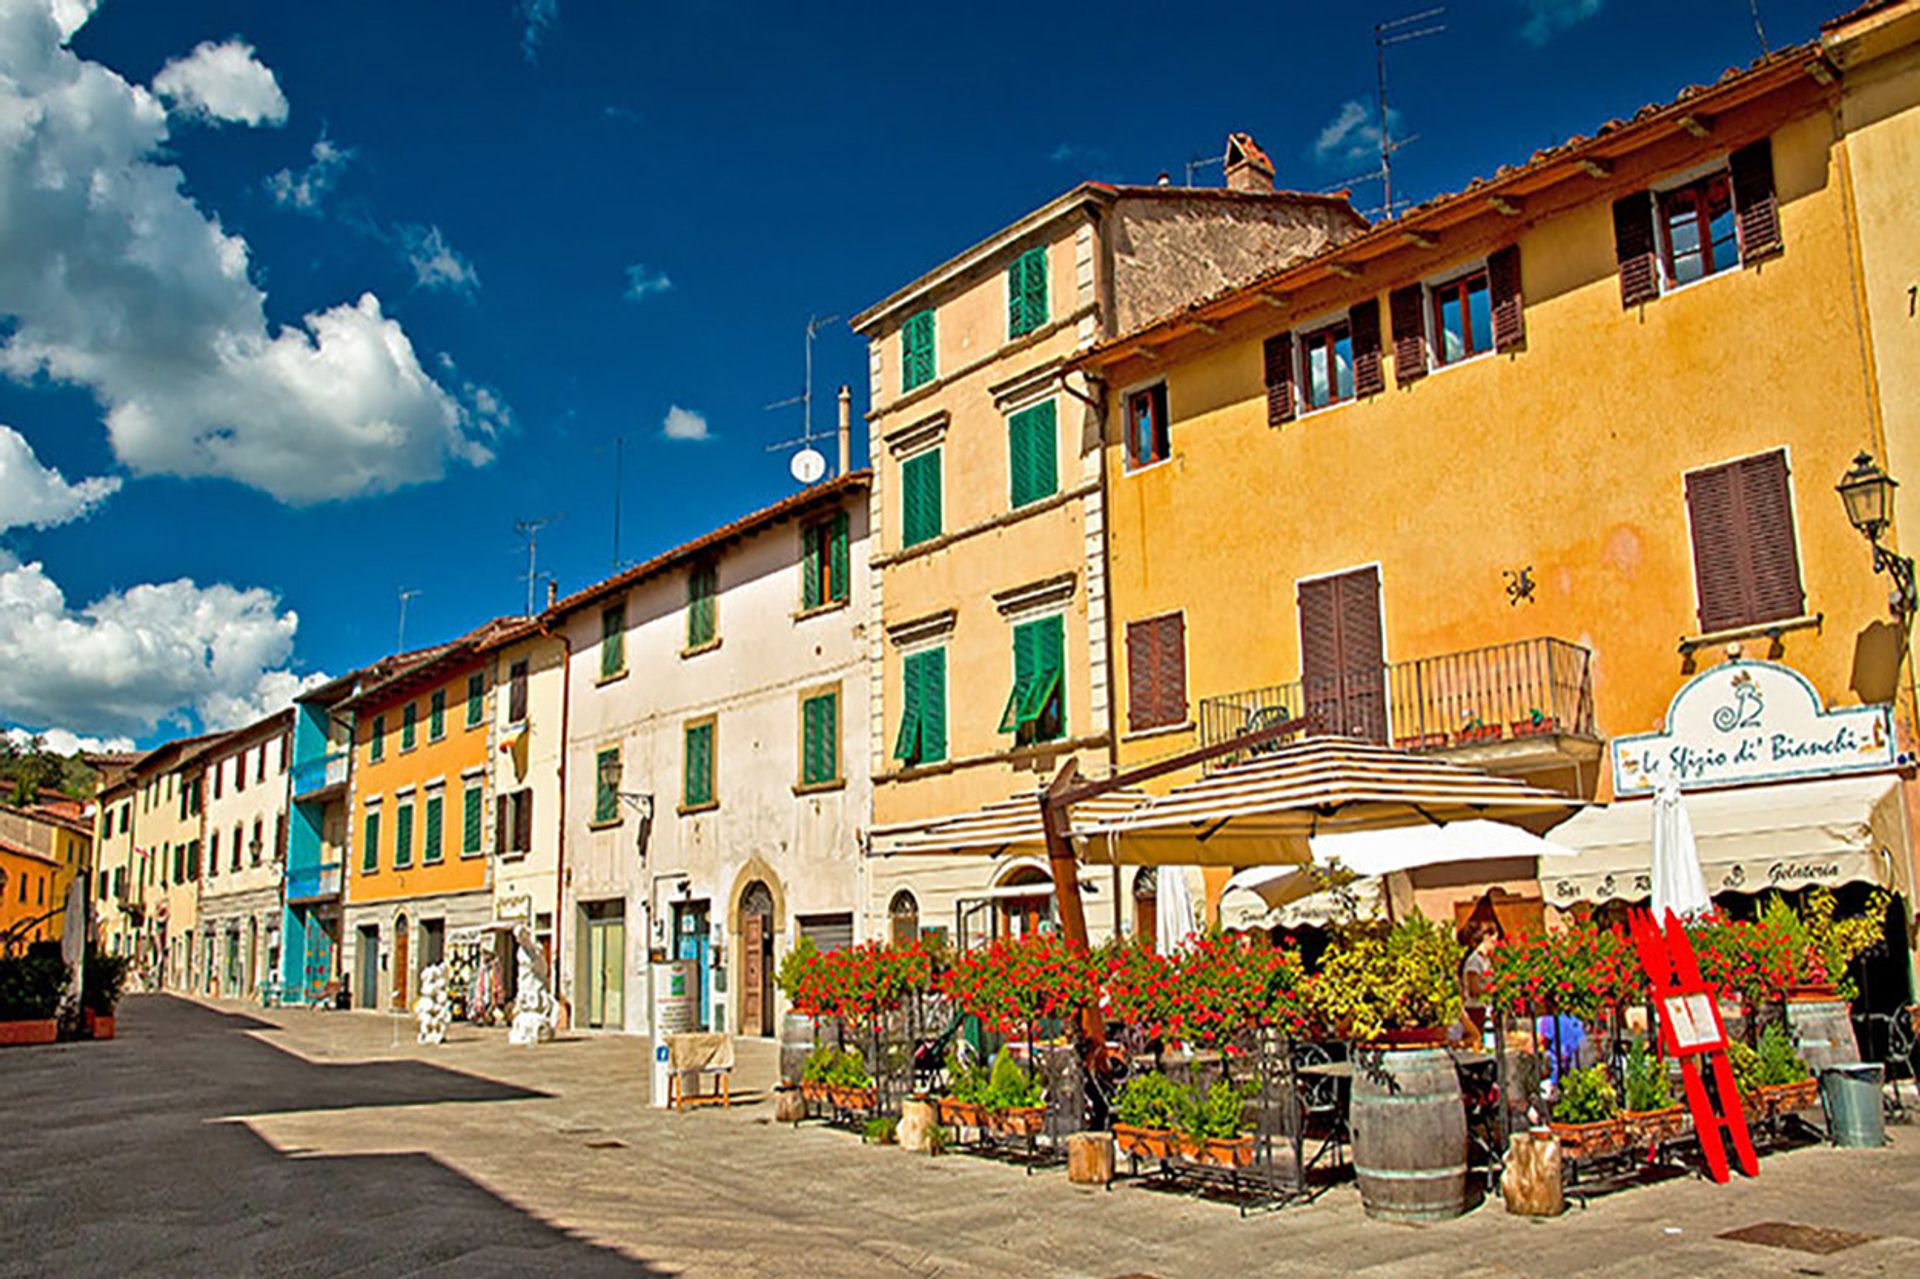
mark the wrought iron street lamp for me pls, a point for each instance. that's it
(1867, 492)
(640, 802)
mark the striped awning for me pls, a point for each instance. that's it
(1264, 811)
(1007, 827)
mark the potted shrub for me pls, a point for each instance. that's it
(1145, 1116)
(1745, 1064)
(30, 989)
(849, 1083)
(1015, 1102)
(104, 977)
(1474, 730)
(1586, 1118)
(1651, 1113)
(1786, 1083)
(816, 1078)
(962, 1106)
(1213, 1131)
(1390, 989)
(1536, 724)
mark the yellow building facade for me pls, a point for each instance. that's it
(1497, 478)
(51, 844)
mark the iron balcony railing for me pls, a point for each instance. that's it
(310, 775)
(1505, 692)
(313, 883)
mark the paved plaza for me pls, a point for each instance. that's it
(216, 1140)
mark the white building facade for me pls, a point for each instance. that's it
(244, 791)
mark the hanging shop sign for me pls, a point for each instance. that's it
(1744, 722)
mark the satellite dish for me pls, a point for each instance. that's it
(808, 466)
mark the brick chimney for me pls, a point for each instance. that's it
(1248, 168)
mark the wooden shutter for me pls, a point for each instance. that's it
(1766, 495)
(434, 842)
(1633, 249)
(811, 549)
(471, 815)
(502, 830)
(1341, 654)
(517, 693)
(1363, 321)
(1170, 658)
(906, 745)
(523, 820)
(1143, 702)
(1755, 206)
(920, 498)
(1017, 297)
(1719, 549)
(837, 558)
(1509, 309)
(1408, 311)
(931, 702)
(1278, 352)
(1746, 564)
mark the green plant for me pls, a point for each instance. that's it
(1647, 1084)
(793, 966)
(850, 1070)
(1586, 1097)
(1149, 1101)
(881, 1130)
(819, 1065)
(1825, 947)
(102, 982)
(966, 1080)
(31, 984)
(1404, 978)
(1010, 1087)
(1745, 1063)
(939, 1140)
(1779, 1063)
(1219, 1112)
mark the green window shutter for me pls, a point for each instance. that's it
(820, 756)
(476, 699)
(606, 797)
(697, 770)
(933, 705)
(437, 715)
(1036, 705)
(409, 716)
(613, 640)
(436, 818)
(701, 585)
(403, 835)
(1033, 453)
(837, 559)
(471, 815)
(920, 498)
(1027, 292)
(377, 742)
(812, 580)
(917, 365)
(906, 746)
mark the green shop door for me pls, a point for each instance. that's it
(604, 936)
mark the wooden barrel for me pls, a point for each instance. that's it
(796, 1041)
(1822, 1031)
(1409, 1134)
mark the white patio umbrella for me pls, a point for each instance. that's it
(73, 938)
(1172, 910)
(1678, 884)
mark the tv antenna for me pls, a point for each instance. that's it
(530, 529)
(1397, 31)
(400, 640)
(808, 464)
(1201, 162)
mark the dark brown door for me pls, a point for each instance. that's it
(1342, 655)
(753, 975)
(400, 941)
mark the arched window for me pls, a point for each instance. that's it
(1146, 901)
(903, 912)
(1026, 901)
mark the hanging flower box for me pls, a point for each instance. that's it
(22, 1033)
(1422, 742)
(1546, 726)
(1591, 1141)
(817, 1091)
(1020, 1121)
(1787, 1099)
(1218, 1152)
(1479, 733)
(1649, 1127)
(1144, 1143)
(848, 1098)
(955, 1113)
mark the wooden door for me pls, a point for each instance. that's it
(368, 994)
(1342, 654)
(400, 947)
(613, 973)
(753, 971)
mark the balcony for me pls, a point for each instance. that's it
(311, 777)
(1506, 708)
(313, 883)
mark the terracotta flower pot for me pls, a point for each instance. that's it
(1787, 1099)
(1144, 1143)
(20, 1033)
(1218, 1152)
(1020, 1121)
(955, 1113)
(1535, 727)
(1422, 742)
(816, 1091)
(853, 1098)
(1416, 1037)
(1811, 993)
(1480, 733)
(1645, 1127)
(97, 1027)
(1589, 1141)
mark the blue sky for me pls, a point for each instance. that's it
(528, 227)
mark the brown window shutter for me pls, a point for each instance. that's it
(1141, 705)
(502, 830)
(1767, 504)
(1279, 361)
(523, 821)
(1719, 549)
(1509, 309)
(1633, 249)
(1364, 322)
(1171, 664)
(1755, 206)
(1409, 334)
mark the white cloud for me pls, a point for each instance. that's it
(437, 264)
(133, 658)
(307, 189)
(36, 496)
(642, 282)
(64, 741)
(1547, 18)
(224, 83)
(1350, 136)
(685, 424)
(538, 16)
(116, 281)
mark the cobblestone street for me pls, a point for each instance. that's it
(209, 1140)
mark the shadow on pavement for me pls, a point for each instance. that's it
(115, 1163)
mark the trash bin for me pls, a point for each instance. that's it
(1851, 1092)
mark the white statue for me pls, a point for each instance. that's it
(432, 1007)
(533, 1006)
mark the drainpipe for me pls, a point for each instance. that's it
(560, 849)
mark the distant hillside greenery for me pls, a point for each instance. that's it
(28, 769)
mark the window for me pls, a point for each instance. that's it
(240, 771)
(219, 771)
(517, 693)
(823, 566)
(916, 351)
(238, 853)
(702, 585)
(430, 846)
(923, 708)
(409, 715)
(696, 789)
(513, 823)
(1326, 359)
(1156, 672)
(258, 849)
(903, 915)
(613, 641)
(606, 787)
(920, 498)
(476, 699)
(1033, 453)
(377, 739)
(1027, 292)
(820, 739)
(1697, 235)
(370, 844)
(1745, 561)
(437, 715)
(403, 835)
(213, 855)
(280, 837)
(1148, 440)
(472, 813)
(260, 773)
(1462, 318)
(1036, 705)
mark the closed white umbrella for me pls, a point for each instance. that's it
(1172, 910)
(1678, 884)
(73, 938)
